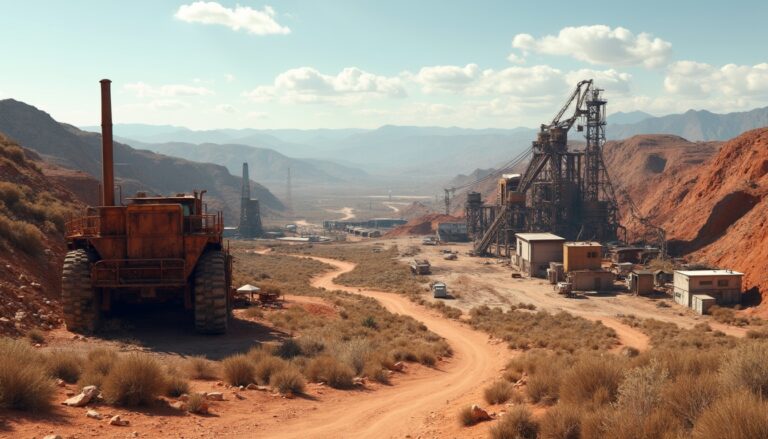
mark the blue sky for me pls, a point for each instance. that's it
(334, 64)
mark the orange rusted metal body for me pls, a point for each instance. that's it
(147, 249)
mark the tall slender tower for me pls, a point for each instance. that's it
(250, 212)
(288, 196)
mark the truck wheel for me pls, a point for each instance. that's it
(81, 307)
(210, 286)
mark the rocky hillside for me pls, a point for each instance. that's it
(716, 211)
(33, 209)
(135, 170)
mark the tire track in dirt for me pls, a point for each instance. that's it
(426, 404)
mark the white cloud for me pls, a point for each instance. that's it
(257, 115)
(230, 77)
(599, 44)
(142, 90)
(307, 85)
(258, 22)
(225, 108)
(447, 78)
(516, 59)
(520, 81)
(702, 80)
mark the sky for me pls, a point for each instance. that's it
(364, 63)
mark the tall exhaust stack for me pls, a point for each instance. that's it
(107, 160)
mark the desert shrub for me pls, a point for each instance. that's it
(201, 368)
(370, 322)
(238, 370)
(253, 312)
(592, 379)
(679, 362)
(260, 352)
(66, 365)
(176, 385)
(528, 330)
(741, 415)
(36, 336)
(374, 370)
(689, 395)
(311, 345)
(24, 235)
(24, 380)
(517, 423)
(640, 392)
(354, 352)
(266, 367)
(625, 424)
(426, 357)
(757, 334)
(498, 392)
(746, 367)
(561, 422)
(542, 388)
(288, 349)
(330, 371)
(197, 403)
(136, 379)
(465, 416)
(288, 380)
(98, 364)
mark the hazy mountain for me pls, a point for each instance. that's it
(694, 125)
(626, 118)
(265, 165)
(135, 170)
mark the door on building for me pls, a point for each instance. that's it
(598, 284)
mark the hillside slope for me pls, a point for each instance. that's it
(135, 170)
(33, 209)
(265, 164)
(716, 211)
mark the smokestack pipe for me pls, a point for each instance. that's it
(107, 160)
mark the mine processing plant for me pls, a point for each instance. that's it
(563, 191)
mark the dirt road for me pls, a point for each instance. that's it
(426, 405)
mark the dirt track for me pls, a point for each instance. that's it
(425, 405)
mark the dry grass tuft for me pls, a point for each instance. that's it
(741, 415)
(330, 371)
(201, 368)
(197, 403)
(465, 417)
(66, 365)
(288, 381)
(98, 364)
(268, 366)
(746, 367)
(24, 380)
(498, 392)
(36, 336)
(592, 379)
(176, 385)
(517, 423)
(238, 370)
(562, 422)
(136, 379)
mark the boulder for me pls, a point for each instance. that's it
(93, 414)
(85, 396)
(116, 420)
(479, 414)
(179, 405)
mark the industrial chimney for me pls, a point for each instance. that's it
(107, 160)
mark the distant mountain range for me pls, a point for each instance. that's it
(67, 146)
(693, 125)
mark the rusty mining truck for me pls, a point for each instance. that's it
(149, 250)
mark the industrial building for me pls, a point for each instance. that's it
(535, 251)
(641, 282)
(375, 223)
(698, 288)
(452, 232)
(591, 280)
(582, 256)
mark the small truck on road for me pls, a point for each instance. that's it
(420, 266)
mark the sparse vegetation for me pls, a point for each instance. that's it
(135, 379)
(36, 336)
(517, 423)
(238, 370)
(465, 416)
(498, 392)
(98, 364)
(176, 385)
(66, 365)
(201, 368)
(266, 367)
(288, 380)
(329, 370)
(25, 383)
(197, 403)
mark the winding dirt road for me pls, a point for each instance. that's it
(425, 405)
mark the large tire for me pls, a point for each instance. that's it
(81, 307)
(210, 287)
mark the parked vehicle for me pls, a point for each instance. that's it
(439, 290)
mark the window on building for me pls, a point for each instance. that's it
(705, 283)
(722, 282)
(591, 254)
